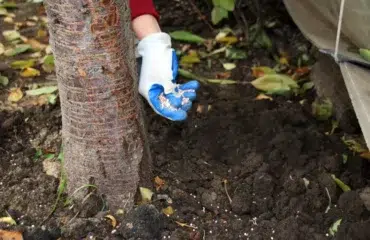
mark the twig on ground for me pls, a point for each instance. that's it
(329, 205)
(227, 193)
(201, 15)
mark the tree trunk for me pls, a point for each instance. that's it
(104, 138)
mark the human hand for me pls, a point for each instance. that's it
(158, 74)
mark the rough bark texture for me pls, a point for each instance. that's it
(103, 133)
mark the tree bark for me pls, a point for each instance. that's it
(104, 138)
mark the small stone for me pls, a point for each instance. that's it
(51, 168)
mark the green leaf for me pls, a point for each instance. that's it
(8, 5)
(365, 54)
(52, 98)
(217, 2)
(49, 155)
(186, 37)
(48, 64)
(341, 184)
(21, 64)
(275, 84)
(234, 53)
(218, 14)
(21, 48)
(307, 86)
(42, 90)
(322, 110)
(228, 4)
(38, 154)
(334, 227)
(11, 35)
(4, 80)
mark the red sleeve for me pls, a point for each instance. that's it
(141, 7)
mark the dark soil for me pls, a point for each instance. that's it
(274, 156)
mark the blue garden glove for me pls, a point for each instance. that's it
(158, 74)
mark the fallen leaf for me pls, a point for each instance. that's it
(41, 34)
(30, 72)
(234, 53)
(11, 35)
(8, 220)
(365, 54)
(42, 90)
(223, 33)
(2, 49)
(185, 225)
(48, 64)
(365, 155)
(159, 182)
(229, 66)
(186, 36)
(322, 109)
(275, 83)
(223, 75)
(146, 194)
(10, 235)
(191, 58)
(307, 86)
(228, 40)
(262, 70)
(341, 184)
(168, 211)
(36, 45)
(52, 98)
(15, 95)
(20, 48)
(8, 5)
(22, 64)
(3, 11)
(334, 227)
(112, 219)
(355, 145)
(262, 96)
(284, 61)
(4, 80)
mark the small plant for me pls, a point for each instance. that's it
(221, 9)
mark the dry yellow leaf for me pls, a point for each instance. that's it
(2, 49)
(15, 95)
(7, 220)
(30, 72)
(365, 155)
(112, 219)
(185, 225)
(8, 20)
(10, 235)
(284, 61)
(36, 45)
(227, 40)
(41, 33)
(262, 96)
(168, 211)
(159, 182)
